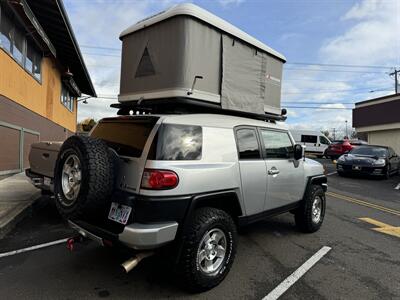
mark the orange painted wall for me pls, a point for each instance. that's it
(42, 98)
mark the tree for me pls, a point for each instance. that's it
(86, 125)
(326, 133)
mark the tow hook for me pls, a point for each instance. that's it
(134, 261)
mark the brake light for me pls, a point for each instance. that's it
(159, 179)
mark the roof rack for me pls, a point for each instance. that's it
(185, 106)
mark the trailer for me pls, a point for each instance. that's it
(186, 56)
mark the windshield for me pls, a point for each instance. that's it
(369, 151)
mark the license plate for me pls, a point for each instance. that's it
(358, 168)
(119, 213)
(47, 181)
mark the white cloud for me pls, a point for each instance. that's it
(373, 39)
(230, 2)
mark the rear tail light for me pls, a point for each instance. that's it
(159, 179)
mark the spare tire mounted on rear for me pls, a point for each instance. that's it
(83, 177)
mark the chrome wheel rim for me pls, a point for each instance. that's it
(71, 179)
(212, 251)
(316, 209)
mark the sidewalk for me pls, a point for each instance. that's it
(16, 195)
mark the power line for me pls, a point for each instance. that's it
(101, 48)
(338, 71)
(318, 107)
(338, 65)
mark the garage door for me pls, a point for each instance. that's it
(9, 154)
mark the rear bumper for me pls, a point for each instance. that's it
(136, 236)
(40, 181)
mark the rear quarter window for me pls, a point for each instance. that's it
(177, 142)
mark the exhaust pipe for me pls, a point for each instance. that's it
(134, 261)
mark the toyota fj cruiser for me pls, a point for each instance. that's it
(185, 181)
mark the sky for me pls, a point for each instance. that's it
(338, 51)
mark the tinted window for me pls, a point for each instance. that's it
(127, 136)
(247, 144)
(323, 140)
(277, 144)
(308, 138)
(177, 142)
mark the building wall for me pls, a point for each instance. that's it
(43, 97)
(389, 138)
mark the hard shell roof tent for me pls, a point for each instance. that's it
(188, 56)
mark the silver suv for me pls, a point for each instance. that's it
(185, 182)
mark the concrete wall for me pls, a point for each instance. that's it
(389, 138)
(42, 98)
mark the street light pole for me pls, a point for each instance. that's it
(346, 130)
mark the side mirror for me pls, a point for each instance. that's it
(298, 151)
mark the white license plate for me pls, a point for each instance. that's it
(358, 168)
(119, 213)
(47, 181)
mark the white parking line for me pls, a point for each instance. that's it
(332, 173)
(397, 187)
(33, 248)
(296, 275)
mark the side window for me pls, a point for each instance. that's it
(323, 140)
(309, 139)
(177, 142)
(277, 144)
(66, 98)
(247, 144)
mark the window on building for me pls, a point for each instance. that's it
(277, 144)
(66, 98)
(14, 40)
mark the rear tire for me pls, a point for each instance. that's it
(203, 264)
(310, 214)
(84, 177)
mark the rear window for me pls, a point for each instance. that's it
(177, 142)
(126, 136)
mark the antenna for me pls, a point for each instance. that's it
(190, 92)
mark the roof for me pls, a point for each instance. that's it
(387, 97)
(188, 9)
(53, 18)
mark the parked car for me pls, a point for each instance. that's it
(338, 148)
(315, 141)
(181, 181)
(369, 160)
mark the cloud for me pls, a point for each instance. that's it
(373, 39)
(230, 2)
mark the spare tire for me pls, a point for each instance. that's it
(83, 177)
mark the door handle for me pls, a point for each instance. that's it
(273, 171)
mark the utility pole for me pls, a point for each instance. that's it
(346, 130)
(395, 72)
(334, 134)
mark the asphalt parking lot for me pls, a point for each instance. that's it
(362, 228)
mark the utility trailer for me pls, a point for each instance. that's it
(187, 58)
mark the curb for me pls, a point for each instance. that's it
(17, 214)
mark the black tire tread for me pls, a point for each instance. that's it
(187, 265)
(99, 169)
(303, 215)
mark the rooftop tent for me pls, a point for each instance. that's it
(162, 55)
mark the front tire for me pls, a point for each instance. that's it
(209, 248)
(310, 214)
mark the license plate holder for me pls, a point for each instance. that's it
(46, 181)
(119, 213)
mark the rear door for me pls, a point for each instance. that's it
(130, 138)
(252, 169)
(285, 179)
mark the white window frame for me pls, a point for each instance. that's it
(69, 101)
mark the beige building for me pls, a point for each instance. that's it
(379, 120)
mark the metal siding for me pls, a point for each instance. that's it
(377, 114)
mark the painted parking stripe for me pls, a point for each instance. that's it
(397, 187)
(364, 203)
(33, 248)
(332, 173)
(296, 275)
